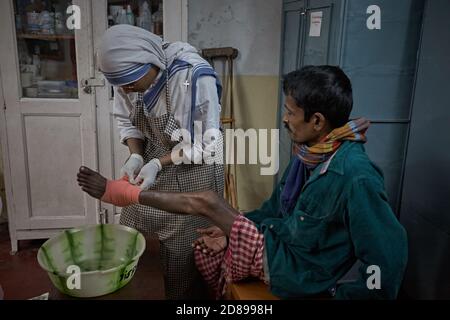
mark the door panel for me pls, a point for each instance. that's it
(316, 48)
(294, 14)
(50, 132)
(381, 63)
(300, 49)
(383, 149)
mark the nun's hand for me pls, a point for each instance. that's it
(132, 167)
(147, 176)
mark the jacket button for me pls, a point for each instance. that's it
(302, 218)
(271, 226)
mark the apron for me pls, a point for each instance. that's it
(176, 232)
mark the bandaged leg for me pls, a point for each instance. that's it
(121, 193)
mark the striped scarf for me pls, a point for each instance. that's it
(353, 130)
(311, 157)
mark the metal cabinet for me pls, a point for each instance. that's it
(381, 64)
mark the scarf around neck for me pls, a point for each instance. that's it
(309, 158)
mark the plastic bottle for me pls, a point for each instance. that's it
(32, 12)
(47, 22)
(60, 22)
(130, 16)
(110, 21)
(158, 20)
(145, 17)
(122, 18)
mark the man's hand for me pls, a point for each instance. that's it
(212, 241)
(148, 173)
(132, 167)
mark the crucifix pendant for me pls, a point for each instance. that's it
(186, 84)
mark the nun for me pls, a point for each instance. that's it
(161, 91)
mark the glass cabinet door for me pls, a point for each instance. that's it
(46, 49)
(146, 14)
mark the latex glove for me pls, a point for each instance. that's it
(132, 167)
(147, 176)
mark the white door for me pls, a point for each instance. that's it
(48, 120)
(112, 154)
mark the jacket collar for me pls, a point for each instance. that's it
(334, 164)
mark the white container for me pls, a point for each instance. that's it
(145, 19)
(60, 26)
(33, 25)
(26, 79)
(31, 92)
(47, 22)
(115, 11)
(51, 87)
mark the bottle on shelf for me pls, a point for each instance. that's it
(33, 14)
(145, 17)
(130, 16)
(122, 17)
(60, 25)
(47, 21)
(158, 20)
(110, 21)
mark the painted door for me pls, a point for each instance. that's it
(48, 125)
(112, 154)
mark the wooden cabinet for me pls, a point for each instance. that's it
(50, 124)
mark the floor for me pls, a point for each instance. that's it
(21, 277)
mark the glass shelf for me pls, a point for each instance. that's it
(49, 37)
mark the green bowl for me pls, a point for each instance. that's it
(92, 260)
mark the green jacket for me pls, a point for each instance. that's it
(342, 215)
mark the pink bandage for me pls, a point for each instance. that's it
(121, 193)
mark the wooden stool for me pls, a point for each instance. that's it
(249, 290)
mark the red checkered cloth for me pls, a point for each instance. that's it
(242, 259)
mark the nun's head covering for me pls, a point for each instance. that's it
(126, 53)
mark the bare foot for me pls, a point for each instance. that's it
(91, 182)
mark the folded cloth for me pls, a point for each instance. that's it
(242, 259)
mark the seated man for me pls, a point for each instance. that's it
(329, 210)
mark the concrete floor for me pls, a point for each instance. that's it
(21, 277)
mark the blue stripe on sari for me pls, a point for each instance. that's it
(128, 77)
(151, 97)
(201, 70)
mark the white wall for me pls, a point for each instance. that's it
(254, 28)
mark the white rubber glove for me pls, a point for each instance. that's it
(132, 167)
(148, 173)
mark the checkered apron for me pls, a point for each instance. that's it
(175, 232)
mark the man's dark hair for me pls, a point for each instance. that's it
(324, 89)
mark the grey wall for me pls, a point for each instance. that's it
(252, 26)
(425, 206)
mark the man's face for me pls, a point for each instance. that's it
(143, 83)
(300, 131)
